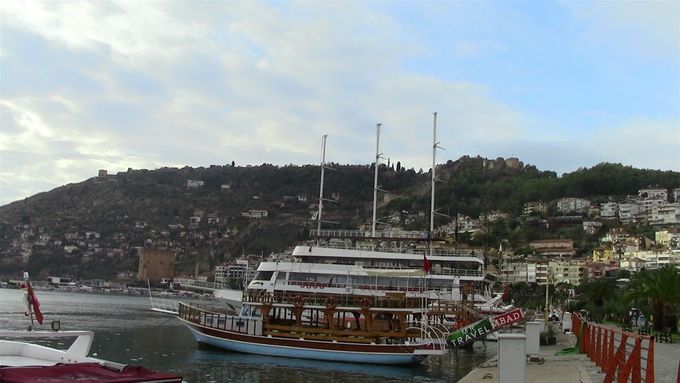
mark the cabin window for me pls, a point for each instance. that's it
(263, 275)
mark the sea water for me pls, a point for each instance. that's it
(127, 331)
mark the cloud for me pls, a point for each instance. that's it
(92, 85)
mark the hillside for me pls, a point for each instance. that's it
(93, 229)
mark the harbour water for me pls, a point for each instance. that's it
(126, 331)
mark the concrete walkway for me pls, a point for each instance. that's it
(577, 368)
(550, 368)
(666, 359)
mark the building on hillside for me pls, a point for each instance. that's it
(468, 224)
(517, 271)
(573, 205)
(609, 210)
(604, 255)
(255, 213)
(666, 213)
(631, 211)
(496, 215)
(594, 270)
(592, 227)
(668, 238)
(541, 272)
(156, 264)
(536, 207)
(238, 270)
(650, 260)
(554, 247)
(102, 173)
(566, 271)
(514, 163)
(676, 194)
(653, 193)
(615, 235)
(194, 184)
(648, 205)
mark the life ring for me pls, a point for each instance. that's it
(365, 304)
(330, 302)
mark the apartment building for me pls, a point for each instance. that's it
(573, 205)
(609, 210)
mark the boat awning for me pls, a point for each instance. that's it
(89, 372)
(396, 273)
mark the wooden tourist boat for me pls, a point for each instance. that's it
(357, 329)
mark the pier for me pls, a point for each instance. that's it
(607, 355)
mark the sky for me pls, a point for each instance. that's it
(145, 84)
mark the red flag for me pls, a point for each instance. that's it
(427, 265)
(33, 302)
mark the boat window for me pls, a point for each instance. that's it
(325, 278)
(263, 275)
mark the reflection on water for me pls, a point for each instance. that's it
(127, 331)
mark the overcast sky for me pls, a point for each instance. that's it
(111, 85)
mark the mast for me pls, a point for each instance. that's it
(434, 155)
(323, 166)
(375, 179)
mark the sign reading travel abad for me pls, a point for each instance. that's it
(474, 331)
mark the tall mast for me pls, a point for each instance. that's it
(435, 144)
(323, 166)
(375, 179)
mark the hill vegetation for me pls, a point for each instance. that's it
(205, 225)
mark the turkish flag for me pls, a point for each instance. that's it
(33, 301)
(427, 265)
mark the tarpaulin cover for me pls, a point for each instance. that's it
(82, 373)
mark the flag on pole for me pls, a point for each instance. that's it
(33, 303)
(427, 265)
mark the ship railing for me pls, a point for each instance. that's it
(368, 234)
(344, 300)
(165, 306)
(407, 250)
(220, 321)
(320, 286)
(205, 285)
(428, 333)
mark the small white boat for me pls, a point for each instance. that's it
(24, 361)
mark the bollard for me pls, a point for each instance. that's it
(512, 364)
(533, 338)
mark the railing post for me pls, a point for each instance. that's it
(635, 356)
(649, 370)
(619, 357)
(598, 347)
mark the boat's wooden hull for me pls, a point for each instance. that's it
(310, 349)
